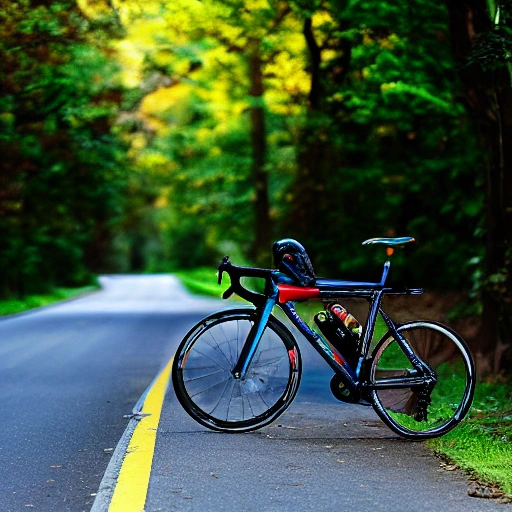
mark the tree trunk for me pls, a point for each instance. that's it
(318, 157)
(311, 153)
(263, 229)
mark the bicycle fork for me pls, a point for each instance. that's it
(253, 338)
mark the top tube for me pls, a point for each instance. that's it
(322, 288)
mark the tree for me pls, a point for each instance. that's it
(63, 167)
(482, 40)
(384, 148)
(234, 65)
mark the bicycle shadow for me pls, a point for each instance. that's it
(335, 421)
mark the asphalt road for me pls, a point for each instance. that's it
(68, 375)
(319, 456)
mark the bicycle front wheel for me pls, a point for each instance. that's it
(429, 410)
(204, 382)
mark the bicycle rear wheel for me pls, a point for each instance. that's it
(204, 383)
(422, 412)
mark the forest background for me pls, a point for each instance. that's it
(160, 135)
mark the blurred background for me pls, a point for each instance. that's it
(158, 136)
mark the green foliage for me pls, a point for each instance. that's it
(12, 306)
(201, 119)
(129, 140)
(397, 151)
(493, 49)
(201, 281)
(64, 169)
(484, 456)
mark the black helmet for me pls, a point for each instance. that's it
(291, 258)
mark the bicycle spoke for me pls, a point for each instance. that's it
(209, 388)
(271, 361)
(203, 376)
(220, 350)
(228, 342)
(198, 351)
(228, 382)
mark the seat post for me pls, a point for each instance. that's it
(385, 272)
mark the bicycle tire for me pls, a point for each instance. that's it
(204, 383)
(415, 413)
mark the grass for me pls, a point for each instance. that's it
(481, 445)
(202, 281)
(486, 457)
(12, 306)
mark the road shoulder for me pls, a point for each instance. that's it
(125, 483)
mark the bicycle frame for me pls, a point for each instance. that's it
(419, 376)
(353, 377)
(279, 292)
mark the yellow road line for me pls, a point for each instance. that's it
(133, 481)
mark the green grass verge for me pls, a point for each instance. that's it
(11, 306)
(481, 445)
(484, 456)
(202, 281)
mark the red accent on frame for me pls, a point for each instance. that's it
(290, 293)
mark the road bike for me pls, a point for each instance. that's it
(239, 369)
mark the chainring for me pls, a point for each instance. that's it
(342, 393)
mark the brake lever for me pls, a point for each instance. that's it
(220, 270)
(228, 293)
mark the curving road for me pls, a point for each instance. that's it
(68, 375)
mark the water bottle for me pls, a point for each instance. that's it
(333, 327)
(347, 320)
